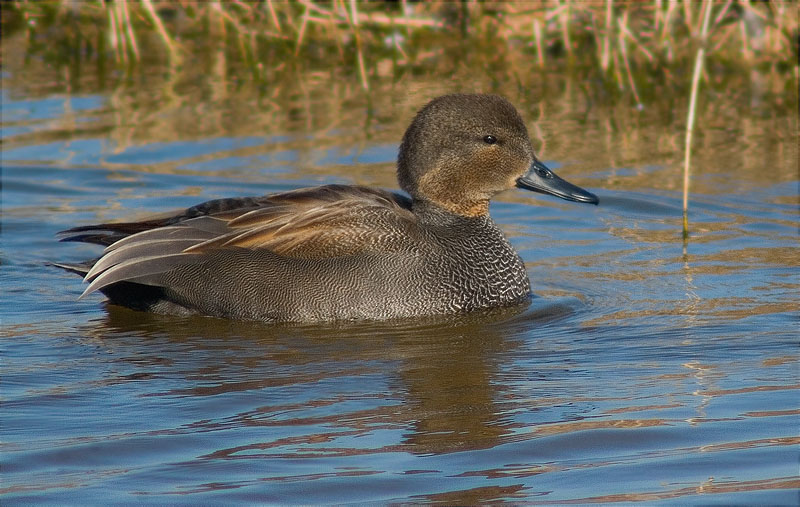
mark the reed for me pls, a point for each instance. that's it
(626, 44)
(696, 75)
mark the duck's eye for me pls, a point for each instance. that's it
(489, 139)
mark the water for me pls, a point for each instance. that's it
(645, 369)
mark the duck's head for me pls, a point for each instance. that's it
(460, 150)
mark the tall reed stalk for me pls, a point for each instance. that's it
(698, 71)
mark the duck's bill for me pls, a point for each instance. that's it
(541, 179)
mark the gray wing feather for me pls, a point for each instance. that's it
(138, 269)
(140, 249)
(200, 229)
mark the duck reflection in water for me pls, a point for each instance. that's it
(434, 378)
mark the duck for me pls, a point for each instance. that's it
(344, 252)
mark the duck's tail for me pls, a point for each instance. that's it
(78, 268)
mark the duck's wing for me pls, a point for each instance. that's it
(314, 223)
(107, 234)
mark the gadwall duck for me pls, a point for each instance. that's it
(342, 252)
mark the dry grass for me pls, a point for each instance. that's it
(634, 48)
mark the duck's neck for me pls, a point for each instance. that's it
(436, 214)
(469, 208)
